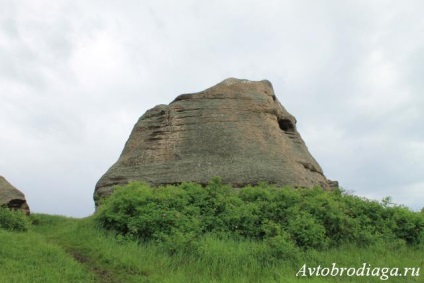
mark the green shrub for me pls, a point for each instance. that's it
(307, 231)
(282, 247)
(13, 220)
(408, 225)
(285, 219)
(162, 215)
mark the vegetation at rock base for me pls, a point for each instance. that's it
(13, 220)
(189, 233)
(178, 216)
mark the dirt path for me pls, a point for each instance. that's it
(101, 274)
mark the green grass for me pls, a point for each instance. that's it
(60, 249)
(30, 257)
(188, 233)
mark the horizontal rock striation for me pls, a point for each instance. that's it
(237, 130)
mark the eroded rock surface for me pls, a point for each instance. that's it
(12, 197)
(237, 130)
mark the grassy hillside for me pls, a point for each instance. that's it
(102, 249)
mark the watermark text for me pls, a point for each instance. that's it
(366, 270)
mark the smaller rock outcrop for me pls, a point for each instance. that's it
(11, 197)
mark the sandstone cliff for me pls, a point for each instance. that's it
(237, 130)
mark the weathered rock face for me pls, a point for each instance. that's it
(237, 130)
(12, 197)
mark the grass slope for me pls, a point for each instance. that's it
(30, 257)
(61, 249)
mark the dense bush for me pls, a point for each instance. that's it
(13, 220)
(285, 218)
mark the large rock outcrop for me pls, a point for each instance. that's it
(12, 197)
(237, 130)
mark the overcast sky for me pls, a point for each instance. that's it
(76, 75)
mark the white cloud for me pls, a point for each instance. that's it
(75, 77)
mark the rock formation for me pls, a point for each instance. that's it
(237, 130)
(12, 197)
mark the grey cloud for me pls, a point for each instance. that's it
(75, 77)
